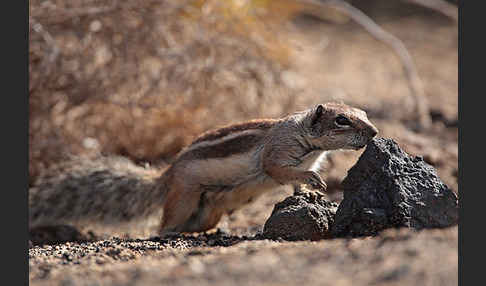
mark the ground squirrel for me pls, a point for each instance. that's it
(219, 172)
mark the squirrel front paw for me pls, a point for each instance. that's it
(313, 179)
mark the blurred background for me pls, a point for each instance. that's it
(143, 78)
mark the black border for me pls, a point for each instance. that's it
(459, 143)
(15, 95)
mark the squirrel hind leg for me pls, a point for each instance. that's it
(192, 214)
(204, 219)
(178, 208)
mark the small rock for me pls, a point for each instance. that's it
(56, 234)
(303, 216)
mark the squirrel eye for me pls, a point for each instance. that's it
(342, 121)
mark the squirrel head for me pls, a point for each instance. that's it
(339, 126)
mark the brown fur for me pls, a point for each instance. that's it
(261, 124)
(218, 173)
(227, 148)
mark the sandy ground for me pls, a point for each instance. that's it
(396, 257)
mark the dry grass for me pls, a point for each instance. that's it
(141, 78)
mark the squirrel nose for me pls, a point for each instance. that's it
(373, 131)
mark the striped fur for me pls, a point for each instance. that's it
(221, 171)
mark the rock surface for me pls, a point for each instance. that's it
(303, 216)
(57, 234)
(389, 188)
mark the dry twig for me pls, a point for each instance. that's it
(440, 6)
(48, 61)
(413, 79)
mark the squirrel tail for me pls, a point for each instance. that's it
(104, 190)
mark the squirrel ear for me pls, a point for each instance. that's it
(318, 113)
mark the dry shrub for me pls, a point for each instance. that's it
(142, 78)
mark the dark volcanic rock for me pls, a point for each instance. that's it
(303, 216)
(388, 188)
(57, 234)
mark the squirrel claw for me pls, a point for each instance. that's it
(321, 187)
(316, 182)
